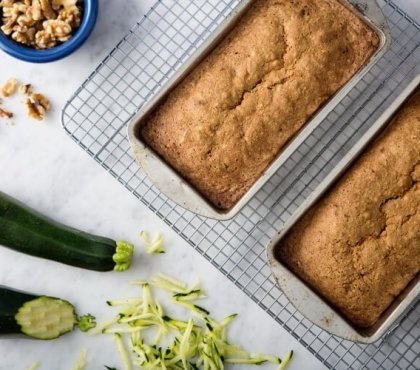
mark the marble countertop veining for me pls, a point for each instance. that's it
(42, 167)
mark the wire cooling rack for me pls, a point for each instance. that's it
(96, 118)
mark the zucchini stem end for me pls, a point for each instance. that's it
(123, 255)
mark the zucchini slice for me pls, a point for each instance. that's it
(39, 317)
(25, 230)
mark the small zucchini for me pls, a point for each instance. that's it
(39, 317)
(25, 230)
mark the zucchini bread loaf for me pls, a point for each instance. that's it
(359, 246)
(226, 122)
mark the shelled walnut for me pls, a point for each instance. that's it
(41, 24)
(9, 88)
(5, 113)
(25, 89)
(37, 106)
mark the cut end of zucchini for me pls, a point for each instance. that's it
(123, 256)
(46, 318)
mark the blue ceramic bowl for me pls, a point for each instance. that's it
(22, 52)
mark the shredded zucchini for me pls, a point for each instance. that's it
(169, 284)
(249, 360)
(286, 360)
(123, 352)
(123, 302)
(192, 295)
(81, 361)
(187, 346)
(154, 246)
(103, 326)
(33, 366)
(161, 342)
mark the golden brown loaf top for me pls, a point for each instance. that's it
(360, 245)
(227, 121)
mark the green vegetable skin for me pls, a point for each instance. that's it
(25, 230)
(39, 317)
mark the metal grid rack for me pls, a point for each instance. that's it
(97, 115)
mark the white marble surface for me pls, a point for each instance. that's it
(41, 166)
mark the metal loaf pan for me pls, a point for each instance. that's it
(308, 302)
(171, 183)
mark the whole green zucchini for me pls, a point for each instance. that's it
(39, 317)
(25, 230)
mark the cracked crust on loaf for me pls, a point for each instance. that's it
(230, 118)
(359, 246)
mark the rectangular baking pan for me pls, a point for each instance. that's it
(308, 302)
(170, 183)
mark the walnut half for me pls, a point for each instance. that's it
(9, 88)
(37, 105)
(48, 10)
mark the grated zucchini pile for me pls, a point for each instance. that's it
(147, 338)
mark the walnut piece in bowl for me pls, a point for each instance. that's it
(45, 30)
